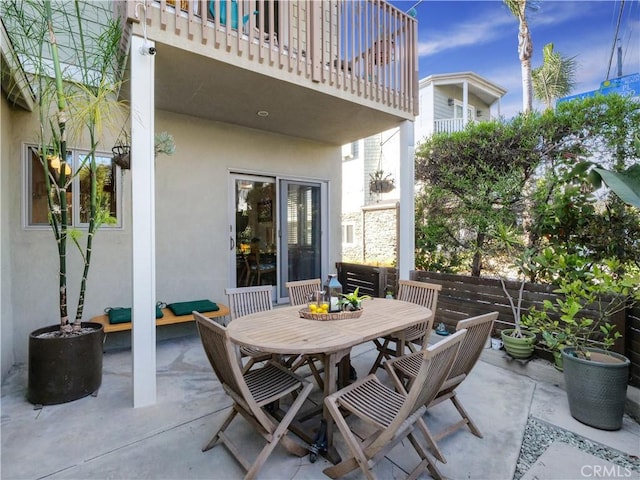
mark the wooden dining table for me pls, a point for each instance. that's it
(283, 331)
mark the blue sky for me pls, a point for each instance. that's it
(481, 36)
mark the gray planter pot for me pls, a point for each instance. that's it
(596, 388)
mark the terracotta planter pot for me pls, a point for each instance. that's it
(596, 388)
(63, 369)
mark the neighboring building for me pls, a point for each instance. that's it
(370, 220)
(449, 101)
(258, 118)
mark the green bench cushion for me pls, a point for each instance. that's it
(185, 308)
(123, 315)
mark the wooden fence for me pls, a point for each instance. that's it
(464, 296)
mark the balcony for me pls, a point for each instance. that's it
(448, 125)
(332, 71)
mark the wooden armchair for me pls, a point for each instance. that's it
(251, 392)
(405, 369)
(393, 414)
(421, 293)
(245, 301)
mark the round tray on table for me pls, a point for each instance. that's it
(305, 313)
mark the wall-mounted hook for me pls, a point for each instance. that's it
(144, 7)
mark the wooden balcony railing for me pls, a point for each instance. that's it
(367, 48)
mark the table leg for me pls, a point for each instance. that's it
(330, 386)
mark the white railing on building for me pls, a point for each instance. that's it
(448, 125)
(366, 48)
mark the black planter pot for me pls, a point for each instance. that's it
(63, 369)
(596, 388)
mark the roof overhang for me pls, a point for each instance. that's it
(12, 77)
(479, 86)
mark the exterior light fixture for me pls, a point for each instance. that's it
(262, 113)
(450, 102)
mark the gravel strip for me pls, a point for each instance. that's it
(539, 435)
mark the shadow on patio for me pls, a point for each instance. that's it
(104, 437)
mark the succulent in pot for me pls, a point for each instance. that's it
(353, 301)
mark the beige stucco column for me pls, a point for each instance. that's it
(143, 336)
(406, 240)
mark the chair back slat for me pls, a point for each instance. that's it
(478, 331)
(300, 290)
(247, 300)
(437, 361)
(420, 293)
(221, 353)
(433, 374)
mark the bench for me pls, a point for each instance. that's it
(168, 318)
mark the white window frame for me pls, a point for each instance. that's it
(471, 110)
(75, 221)
(345, 235)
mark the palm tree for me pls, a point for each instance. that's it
(555, 78)
(525, 49)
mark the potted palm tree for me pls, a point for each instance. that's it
(75, 103)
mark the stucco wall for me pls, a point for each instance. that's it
(192, 224)
(6, 314)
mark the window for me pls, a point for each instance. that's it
(78, 191)
(458, 111)
(351, 150)
(347, 233)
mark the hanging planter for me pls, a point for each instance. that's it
(122, 156)
(163, 144)
(381, 183)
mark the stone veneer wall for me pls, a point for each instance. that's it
(380, 240)
(353, 252)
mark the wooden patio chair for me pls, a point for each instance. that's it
(393, 414)
(299, 292)
(245, 301)
(420, 293)
(404, 369)
(251, 392)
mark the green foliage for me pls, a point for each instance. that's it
(555, 78)
(164, 144)
(76, 84)
(603, 290)
(473, 182)
(352, 301)
(533, 176)
(624, 184)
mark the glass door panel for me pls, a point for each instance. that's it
(253, 230)
(301, 232)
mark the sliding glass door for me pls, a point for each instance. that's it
(254, 243)
(301, 226)
(275, 231)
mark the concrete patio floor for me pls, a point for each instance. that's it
(104, 437)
